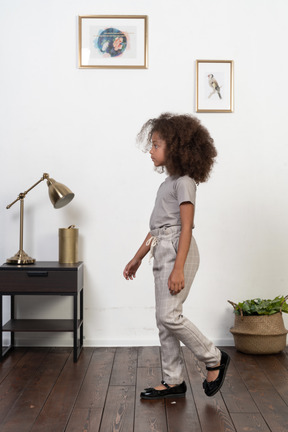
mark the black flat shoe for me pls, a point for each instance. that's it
(212, 387)
(177, 391)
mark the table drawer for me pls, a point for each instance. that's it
(38, 281)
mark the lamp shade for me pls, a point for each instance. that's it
(59, 194)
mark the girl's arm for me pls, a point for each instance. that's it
(176, 279)
(133, 265)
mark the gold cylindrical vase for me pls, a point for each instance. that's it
(68, 245)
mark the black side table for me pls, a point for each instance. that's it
(43, 278)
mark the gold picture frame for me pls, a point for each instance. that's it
(113, 42)
(214, 86)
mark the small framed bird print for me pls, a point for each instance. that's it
(214, 86)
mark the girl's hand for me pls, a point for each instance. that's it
(176, 281)
(131, 269)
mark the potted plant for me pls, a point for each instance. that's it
(259, 326)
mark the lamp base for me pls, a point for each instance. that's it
(20, 258)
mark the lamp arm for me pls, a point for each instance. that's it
(23, 194)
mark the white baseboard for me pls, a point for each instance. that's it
(68, 342)
(142, 342)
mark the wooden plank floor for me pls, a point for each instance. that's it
(42, 390)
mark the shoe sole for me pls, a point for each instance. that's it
(173, 396)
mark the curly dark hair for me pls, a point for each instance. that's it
(190, 149)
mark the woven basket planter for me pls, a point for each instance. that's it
(262, 334)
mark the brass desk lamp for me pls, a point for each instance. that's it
(59, 195)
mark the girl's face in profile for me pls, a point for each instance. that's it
(158, 150)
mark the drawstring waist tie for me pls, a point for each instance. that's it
(153, 241)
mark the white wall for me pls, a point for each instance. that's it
(80, 127)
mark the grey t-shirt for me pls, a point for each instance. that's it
(171, 193)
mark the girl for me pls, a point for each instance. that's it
(184, 147)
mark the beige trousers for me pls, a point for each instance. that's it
(173, 326)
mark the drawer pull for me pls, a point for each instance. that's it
(37, 274)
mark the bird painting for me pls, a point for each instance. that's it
(214, 85)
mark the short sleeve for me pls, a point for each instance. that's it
(186, 190)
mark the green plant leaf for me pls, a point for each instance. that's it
(261, 306)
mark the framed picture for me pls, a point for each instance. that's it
(113, 41)
(214, 86)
